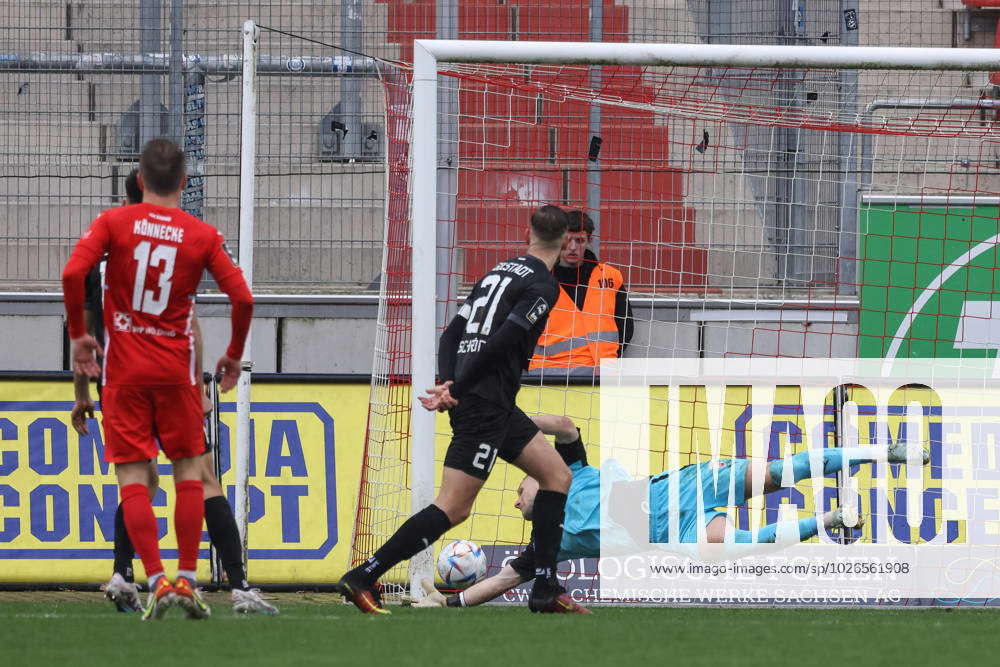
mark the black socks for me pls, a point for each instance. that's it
(225, 536)
(124, 551)
(222, 531)
(417, 533)
(546, 530)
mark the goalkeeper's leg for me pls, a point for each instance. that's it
(825, 461)
(801, 529)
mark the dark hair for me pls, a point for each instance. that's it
(548, 224)
(132, 190)
(162, 166)
(580, 222)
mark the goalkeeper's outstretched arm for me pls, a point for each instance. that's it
(562, 428)
(484, 591)
(492, 587)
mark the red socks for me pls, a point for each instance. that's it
(188, 517)
(141, 525)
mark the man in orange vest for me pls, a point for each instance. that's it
(592, 318)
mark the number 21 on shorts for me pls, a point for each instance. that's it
(485, 457)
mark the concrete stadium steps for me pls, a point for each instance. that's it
(291, 108)
(292, 224)
(49, 216)
(323, 266)
(34, 144)
(216, 27)
(43, 19)
(112, 25)
(39, 96)
(292, 187)
(319, 245)
(53, 112)
(32, 260)
(52, 217)
(32, 41)
(352, 265)
(326, 190)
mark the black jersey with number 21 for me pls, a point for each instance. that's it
(520, 289)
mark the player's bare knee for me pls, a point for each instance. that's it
(456, 512)
(456, 506)
(459, 515)
(186, 470)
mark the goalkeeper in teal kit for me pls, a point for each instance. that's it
(711, 479)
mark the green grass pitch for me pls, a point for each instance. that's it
(62, 630)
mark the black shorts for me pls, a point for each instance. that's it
(481, 431)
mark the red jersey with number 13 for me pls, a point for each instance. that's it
(156, 258)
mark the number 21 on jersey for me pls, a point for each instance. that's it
(148, 256)
(495, 287)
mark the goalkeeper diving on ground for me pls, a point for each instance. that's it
(581, 529)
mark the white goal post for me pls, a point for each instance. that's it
(425, 215)
(248, 168)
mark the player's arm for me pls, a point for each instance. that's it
(479, 593)
(448, 347)
(83, 405)
(439, 397)
(503, 339)
(515, 572)
(206, 404)
(623, 318)
(89, 249)
(569, 444)
(229, 278)
(492, 587)
(562, 428)
(535, 303)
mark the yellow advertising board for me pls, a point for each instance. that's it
(58, 496)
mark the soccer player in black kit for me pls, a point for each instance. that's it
(481, 356)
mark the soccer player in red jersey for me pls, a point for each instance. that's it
(156, 255)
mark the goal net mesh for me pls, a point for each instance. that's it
(751, 212)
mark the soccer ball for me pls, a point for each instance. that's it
(461, 564)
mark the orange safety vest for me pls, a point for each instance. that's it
(574, 337)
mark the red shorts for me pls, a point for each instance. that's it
(135, 417)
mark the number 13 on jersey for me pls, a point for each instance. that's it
(149, 256)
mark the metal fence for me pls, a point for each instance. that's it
(85, 85)
(71, 121)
